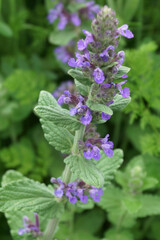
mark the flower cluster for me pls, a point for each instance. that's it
(79, 107)
(68, 85)
(98, 59)
(92, 146)
(88, 10)
(30, 227)
(64, 53)
(76, 191)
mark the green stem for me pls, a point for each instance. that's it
(53, 223)
(123, 216)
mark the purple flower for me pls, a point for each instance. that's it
(62, 53)
(58, 192)
(105, 53)
(78, 190)
(54, 13)
(72, 62)
(81, 45)
(91, 148)
(75, 19)
(89, 37)
(96, 194)
(62, 21)
(65, 98)
(30, 227)
(125, 76)
(105, 116)
(83, 110)
(124, 31)
(124, 92)
(98, 75)
(64, 85)
(120, 57)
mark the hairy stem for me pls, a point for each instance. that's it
(53, 223)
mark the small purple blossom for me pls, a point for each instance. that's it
(105, 116)
(83, 110)
(65, 98)
(98, 75)
(124, 31)
(75, 19)
(30, 227)
(75, 191)
(124, 92)
(64, 85)
(91, 147)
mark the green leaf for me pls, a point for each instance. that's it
(99, 107)
(122, 70)
(5, 30)
(119, 102)
(75, 6)
(47, 99)
(150, 205)
(52, 112)
(87, 220)
(85, 170)
(78, 75)
(29, 195)
(84, 90)
(109, 165)
(58, 37)
(113, 234)
(58, 137)
(132, 204)
(11, 176)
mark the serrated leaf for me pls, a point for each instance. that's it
(85, 170)
(49, 110)
(59, 117)
(47, 99)
(11, 176)
(109, 165)
(99, 107)
(119, 102)
(150, 205)
(84, 90)
(58, 37)
(132, 204)
(122, 70)
(78, 75)
(29, 195)
(58, 137)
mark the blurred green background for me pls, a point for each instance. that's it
(28, 65)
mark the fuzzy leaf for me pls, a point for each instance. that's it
(99, 107)
(122, 70)
(119, 103)
(29, 195)
(85, 170)
(11, 176)
(58, 137)
(109, 165)
(78, 75)
(150, 205)
(84, 90)
(50, 111)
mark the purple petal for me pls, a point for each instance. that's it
(72, 62)
(105, 116)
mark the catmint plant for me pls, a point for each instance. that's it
(69, 117)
